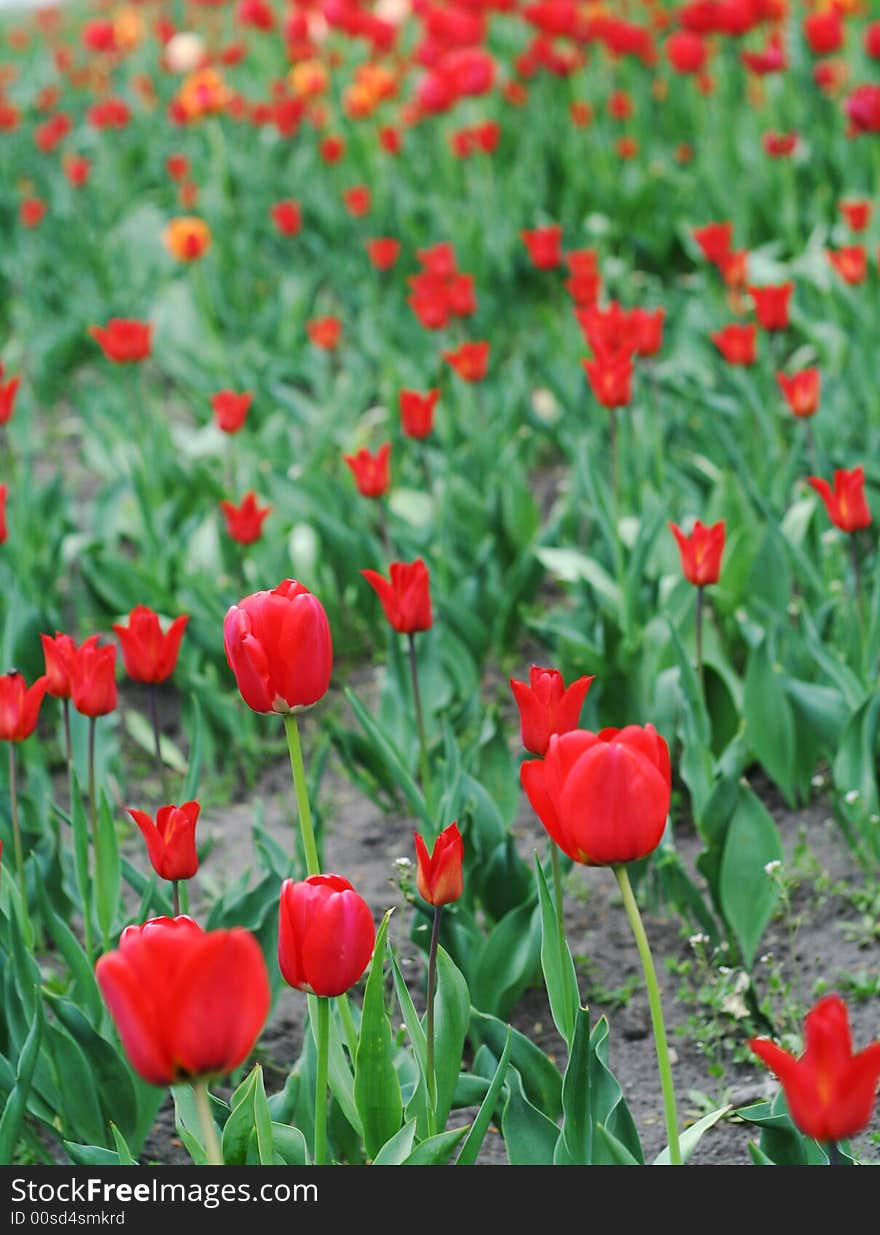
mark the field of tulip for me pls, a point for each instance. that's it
(438, 448)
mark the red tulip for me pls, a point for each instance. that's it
(4, 531)
(406, 599)
(244, 522)
(77, 169)
(734, 268)
(439, 875)
(149, 655)
(177, 166)
(780, 145)
(647, 330)
(171, 839)
(546, 706)
(287, 217)
(417, 412)
(324, 332)
(829, 1090)
(231, 409)
(371, 472)
(32, 211)
(187, 1003)
(801, 391)
(278, 645)
(332, 148)
(850, 262)
(544, 246)
(771, 305)
(857, 213)
(58, 654)
(325, 934)
(700, 552)
(603, 797)
(357, 200)
(686, 51)
(846, 504)
(714, 240)
(7, 398)
(823, 32)
(123, 340)
(383, 251)
(469, 360)
(93, 678)
(19, 705)
(736, 343)
(610, 377)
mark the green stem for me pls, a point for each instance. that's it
(206, 1119)
(431, 1077)
(700, 597)
(557, 889)
(835, 1157)
(95, 831)
(301, 789)
(323, 1043)
(16, 827)
(424, 774)
(68, 746)
(860, 596)
(175, 896)
(621, 874)
(157, 738)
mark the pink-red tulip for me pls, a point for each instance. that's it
(150, 655)
(546, 706)
(325, 934)
(171, 839)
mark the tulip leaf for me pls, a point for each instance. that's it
(141, 732)
(540, 1076)
(452, 1017)
(126, 1158)
(509, 960)
(615, 1152)
(748, 893)
(469, 1150)
(91, 1155)
(376, 1086)
(107, 867)
(691, 1137)
(111, 1078)
(289, 1146)
(607, 1102)
(196, 752)
(398, 1149)
(437, 1150)
(529, 1136)
(16, 1104)
(854, 767)
(557, 964)
(574, 1145)
(392, 759)
(85, 986)
(81, 1113)
(241, 1122)
(770, 726)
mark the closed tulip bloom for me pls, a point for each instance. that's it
(417, 412)
(714, 239)
(857, 213)
(123, 340)
(93, 678)
(736, 343)
(58, 653)
(610, 376)
(231, 409)
(439, 876)
(324, 332)
(187, 238)
(469, 360)
(603, 797)
(244, 522)
(700, 552)
(287, 217)
(383, 251)
(7, 398)
(171, 839)
(830, 1091)
(647, 330)
(186, 1002)
(686, 52)
(546, 706)
(325, 935)
(846, 504)
(19, 705)
(372, 472)
(357, 200)
(278, 645)
(771, 305)
(544, 245)
(150, 655)
(850, 262)
(801, 391)
(406, 598)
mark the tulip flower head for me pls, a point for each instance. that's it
(610, 376)
(231, 409)
(603, 797)
(417, 412)
(171, 839)
(150, 655)
(325, 935)
(714, 239)
(371, 472)
(278, 645)
(287, 217)
(93, 678)
(406, 596)
(700, 552)
(439, 874)
(856, 213)
(187, 238)
(850, 262)
(383, 251)
(547, 706)
(324, 332)
(20, 705)
(124, 340)
(58, 653)
(469, 360)
(244, 522)
(187, 1003)
(544, 245)
(846, 503)
(801, 391)
(830, 1090)
(8, 391)
(736, 343)
(771, 305)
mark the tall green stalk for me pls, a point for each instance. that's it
(301, 789)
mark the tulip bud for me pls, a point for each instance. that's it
(439, 875)
(325, 934)
(171, 839)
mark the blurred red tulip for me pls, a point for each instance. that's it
(32, 211)
(230, 409)
(686, 51)
(857, 213)
(846, 504)
(123, 340)
(150, 655)
(187, 238)
(714, 240)
(850, 262)
(700, 551)
(801, 391)
(287, 217)
(92, 676)
(357, 200)
(20, 705)
(610, 377)
(544, 245)
(417, 412)
(324, 332)
(469, 360)
(58, 653)
(737, 343)
(823, 32)
(7, 398)
(244, 522)
(771, 305)
(406, 598)
(371, 472)
(383, 251)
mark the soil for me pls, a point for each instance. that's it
(825, 945)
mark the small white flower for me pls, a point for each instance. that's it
(851, 796)
(770, 868)
(697, 940)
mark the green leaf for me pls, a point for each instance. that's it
(16, 1104)
(376, 1087)
(748, 893)
(398, 1149)
(91, 1155)
(770, 728)
(556, 962)
(140, 731)
(572, 566)
(392, 759)
(107, 868)
(241, 1122)
(473, 1143)
(691, 1137)
(110, 1074)
(575, 1140)
(452, 1017)
(339, 1075)
(289, 1146)
(85, 986)
(540, 1076)
(196, 752)
(81, 1110)
(530, 1137)
(126, 1158)
(616, 1153)
(854, 767)
(509, 960)
(607, 1102)
(437, 1150)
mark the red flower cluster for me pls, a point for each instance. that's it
(440, 291)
